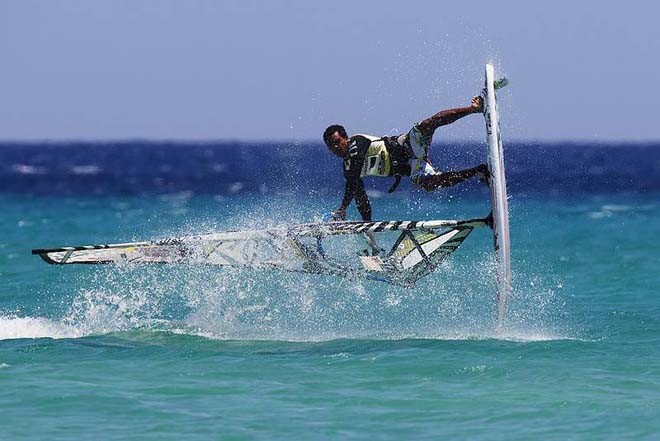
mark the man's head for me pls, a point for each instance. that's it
(336, 139)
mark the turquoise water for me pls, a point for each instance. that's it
(202, 353)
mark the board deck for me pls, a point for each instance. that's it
(498, 195)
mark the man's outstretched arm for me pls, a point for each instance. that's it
(354, 189)
(354, 185)
(362, 201)
(444, 117)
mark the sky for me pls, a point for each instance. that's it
(284, 70)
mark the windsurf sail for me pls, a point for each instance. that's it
(394, 252)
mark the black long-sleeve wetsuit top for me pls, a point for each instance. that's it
(357, 149)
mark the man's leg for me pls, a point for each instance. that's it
(423, 174)
(434, 181)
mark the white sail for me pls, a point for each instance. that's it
(396, 252)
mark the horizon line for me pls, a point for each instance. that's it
(141, 140)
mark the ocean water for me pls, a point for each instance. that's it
(166, 352)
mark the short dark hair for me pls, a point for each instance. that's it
(332, 129)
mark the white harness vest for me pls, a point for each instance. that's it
(377, 159)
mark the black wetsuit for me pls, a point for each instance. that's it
(357, 149)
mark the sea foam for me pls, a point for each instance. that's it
(35, 327)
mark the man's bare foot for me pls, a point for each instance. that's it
(483, 174)
(477, 104)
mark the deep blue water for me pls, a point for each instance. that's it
(204, 353)
(136, 168)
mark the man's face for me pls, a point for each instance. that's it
(338, 144)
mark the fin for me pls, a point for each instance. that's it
(501, 83)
